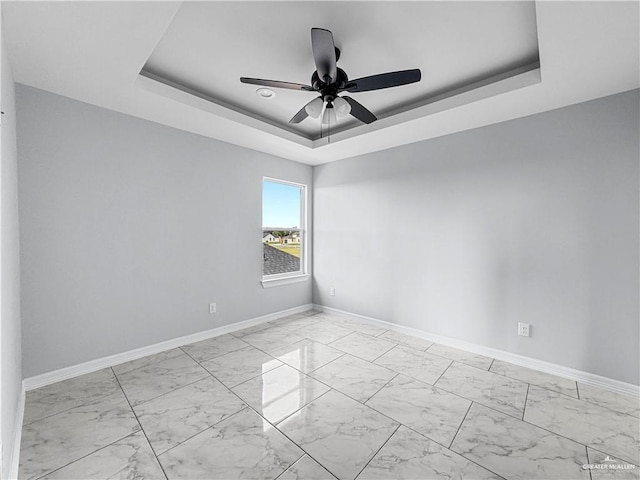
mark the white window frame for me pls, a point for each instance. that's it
(303, 274)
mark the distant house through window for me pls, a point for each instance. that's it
(283, 229)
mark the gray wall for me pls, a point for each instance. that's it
(10, 345)
(533, 220)
(130, 229)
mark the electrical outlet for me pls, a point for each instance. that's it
(523, 329)
(212, 308)
(332, 292)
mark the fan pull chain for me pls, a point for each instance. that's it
(328, 130)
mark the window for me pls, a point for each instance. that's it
(284, 242)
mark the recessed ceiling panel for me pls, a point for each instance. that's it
(210, 45)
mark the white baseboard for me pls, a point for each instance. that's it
(48, 378)
(14, 462)
(98, 364)
(528, 362)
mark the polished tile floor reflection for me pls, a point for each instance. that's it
(323, 396)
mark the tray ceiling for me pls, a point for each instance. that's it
(208, 46)
(473, 55)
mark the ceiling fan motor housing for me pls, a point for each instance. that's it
(329, 91)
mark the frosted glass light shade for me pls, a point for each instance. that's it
(329, 117)
(342, 107)
(314, 107)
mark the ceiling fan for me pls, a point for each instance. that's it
(329, 81)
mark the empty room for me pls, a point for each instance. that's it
(320, 240)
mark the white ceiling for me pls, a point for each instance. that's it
(94, 51)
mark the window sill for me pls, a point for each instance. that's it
(276, 282)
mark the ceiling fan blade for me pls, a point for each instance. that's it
(298, 117)
(276, 84)
(384, 80)
(324, 54)
(361, 113)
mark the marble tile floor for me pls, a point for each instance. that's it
(318, 396)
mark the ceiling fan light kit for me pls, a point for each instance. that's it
(342, 107)
(329, 117)
(330, 81)
(314, 107)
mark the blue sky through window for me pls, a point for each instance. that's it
(280, 205)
